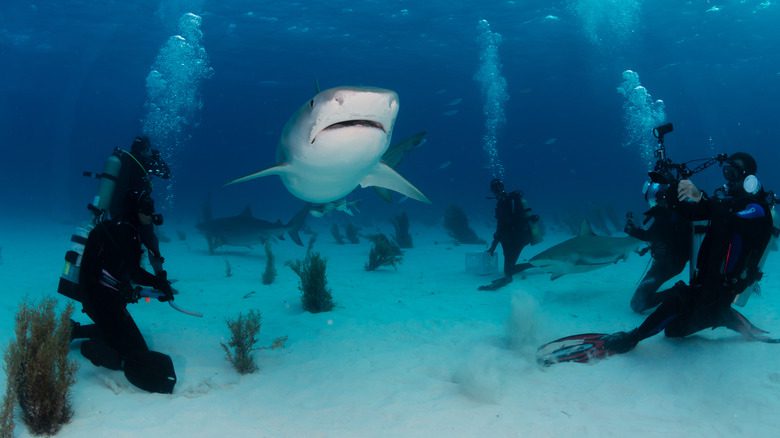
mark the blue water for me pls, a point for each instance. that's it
(73, 85)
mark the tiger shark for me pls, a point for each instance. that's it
(585, 252)
(246, 230)
(335, 143)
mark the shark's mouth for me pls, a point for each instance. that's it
(350, 123)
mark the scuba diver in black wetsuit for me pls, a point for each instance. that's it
(123, 172)
(109, 276)
(668, 235)
(740, 226)
(515, 228)
(135, 170)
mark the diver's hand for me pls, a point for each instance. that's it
(687, 191)
(131, 293)
(163, 285)
(630, 226)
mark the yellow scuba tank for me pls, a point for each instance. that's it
(69, 280)
(102, 200)
(533, 222)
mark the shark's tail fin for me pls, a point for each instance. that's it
(296, 223)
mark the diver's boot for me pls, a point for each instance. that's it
(497, 284)
(100, 354)
(520, 267)
(620, 342)
(83, 331)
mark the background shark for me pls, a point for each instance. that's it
(246, 230)
(584, 252)
(335, 142)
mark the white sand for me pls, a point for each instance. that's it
(416, 351)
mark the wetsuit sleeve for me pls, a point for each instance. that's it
(753, 225)
(638, 233)
(695, 211)
(129, 242)
(143, 277)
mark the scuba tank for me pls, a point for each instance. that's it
(69, 279)
(533, 222)
(755, 288)
(108, 178)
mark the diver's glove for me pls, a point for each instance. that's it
(630, 227)
(163, 285)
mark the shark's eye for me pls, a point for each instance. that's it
(311, 103)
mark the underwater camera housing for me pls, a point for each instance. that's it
(666, 174)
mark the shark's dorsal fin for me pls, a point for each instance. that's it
(247, 211)
(586, 229)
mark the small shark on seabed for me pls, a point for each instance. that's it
(335, 142)
(246, 230)
(585, 252)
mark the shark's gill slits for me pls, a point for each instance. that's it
(348, 123)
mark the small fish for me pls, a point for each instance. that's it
(342, 205)
(249, 294)
(550, 140)
(454, 102)
(445, 165)
(450, 113)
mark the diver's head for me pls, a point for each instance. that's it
(150, 158)
(139, 208)
(141, 147)
(497, 186)
(656, 194)
(739, 170)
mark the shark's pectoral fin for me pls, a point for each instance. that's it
(384, 176)
(556, 276)
(384, 194)
(276, 170)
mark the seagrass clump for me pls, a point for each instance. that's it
(269, 274)
(38, 370)
(315, 296)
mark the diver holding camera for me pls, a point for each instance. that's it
(739, 227)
